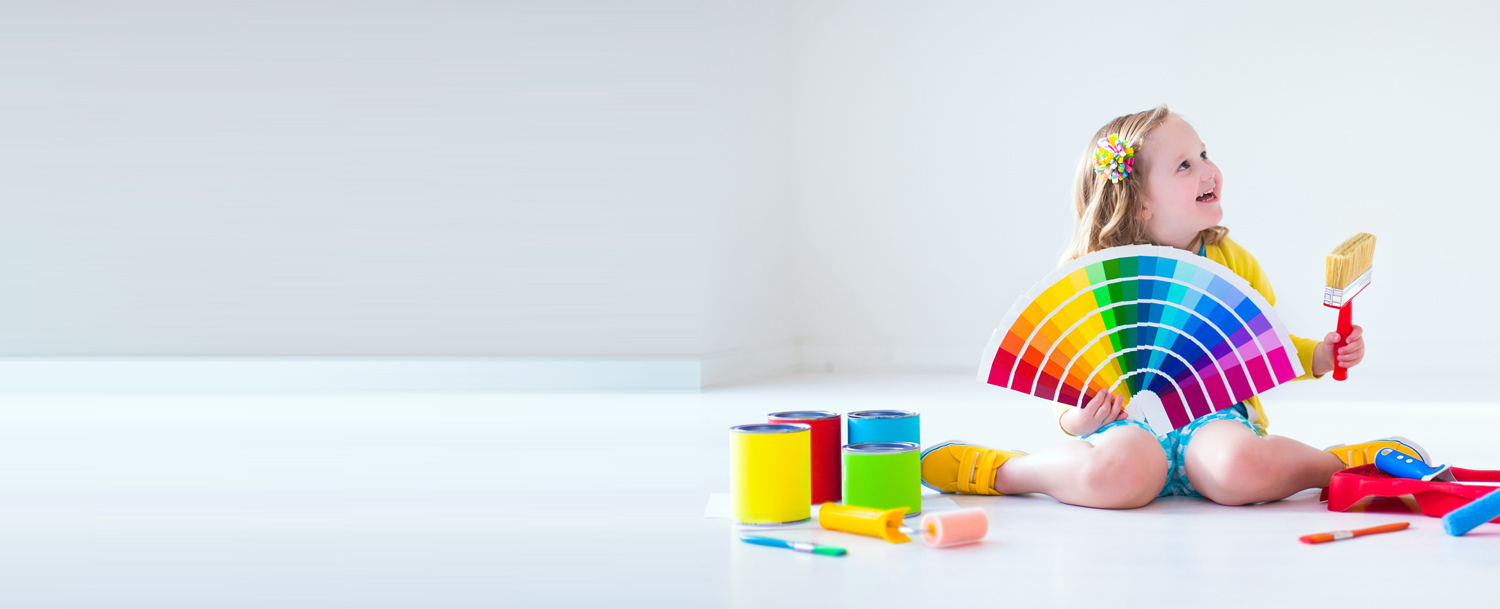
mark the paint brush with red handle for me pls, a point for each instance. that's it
(1349, 269)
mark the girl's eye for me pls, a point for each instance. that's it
(1183, 166)
(1203, 155)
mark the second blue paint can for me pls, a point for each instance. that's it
(884, 426)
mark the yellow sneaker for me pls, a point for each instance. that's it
(956, 467)
(1364, 453)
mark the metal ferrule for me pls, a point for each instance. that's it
(1334, 297)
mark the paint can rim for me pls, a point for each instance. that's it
(880, 448)
(770, 524)
(804, 415)
(884, 414)
(771, 428)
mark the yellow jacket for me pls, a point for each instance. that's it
(1231, 255)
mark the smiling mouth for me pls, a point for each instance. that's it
(1207, 197)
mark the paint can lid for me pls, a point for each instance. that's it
(882, 414)
(804, 415)
(765, 428)
(871, 448)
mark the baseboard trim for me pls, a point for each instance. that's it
(687, 373)
(318, 374)
(749, 363)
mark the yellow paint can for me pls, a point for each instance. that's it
(771, 473)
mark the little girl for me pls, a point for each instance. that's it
(1171, 198)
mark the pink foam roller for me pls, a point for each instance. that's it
(952, 528)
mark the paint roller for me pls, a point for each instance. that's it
(1464, 519)
(937, 529)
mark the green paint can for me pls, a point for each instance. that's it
(883, 475)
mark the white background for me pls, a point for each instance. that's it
(734, 188)
(823, 185)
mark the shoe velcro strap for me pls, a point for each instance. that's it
(986, 471)
(965, 474)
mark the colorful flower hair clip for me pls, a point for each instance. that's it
(1114, 160)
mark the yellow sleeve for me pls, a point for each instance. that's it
(1305, 348)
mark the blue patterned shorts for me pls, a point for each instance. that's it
(1175, 444)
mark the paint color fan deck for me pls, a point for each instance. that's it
(1179, 335)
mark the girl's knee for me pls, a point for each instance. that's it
(1123, 479)
(1237, 473)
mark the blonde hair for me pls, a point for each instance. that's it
(1108, 214)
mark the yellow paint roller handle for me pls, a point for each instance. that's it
(884, 524)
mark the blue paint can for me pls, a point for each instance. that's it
(884, 426)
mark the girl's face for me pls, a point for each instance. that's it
(1182, 186)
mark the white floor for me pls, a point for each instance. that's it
(597, 499)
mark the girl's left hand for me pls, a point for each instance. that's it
(1348, 357)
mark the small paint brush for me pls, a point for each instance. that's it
(1337, 535)
(1348, 272)
(800, 546)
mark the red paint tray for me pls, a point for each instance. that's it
(1434, 498)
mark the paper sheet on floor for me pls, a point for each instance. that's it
(719, 507)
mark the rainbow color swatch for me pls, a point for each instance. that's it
(1179, 335)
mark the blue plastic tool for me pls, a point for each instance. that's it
(1402, 465)
(1477, 512)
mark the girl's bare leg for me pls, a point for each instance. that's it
(1231, 465)
(1125, 469)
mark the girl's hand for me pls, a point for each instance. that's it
(1105, 408)
(1348, 357)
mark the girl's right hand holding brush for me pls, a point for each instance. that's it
(1349, 356)
(1104, 409)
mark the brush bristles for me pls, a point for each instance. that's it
(1350, 260)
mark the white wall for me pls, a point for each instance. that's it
(936, 143)
(748, 279)
(396, 178)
